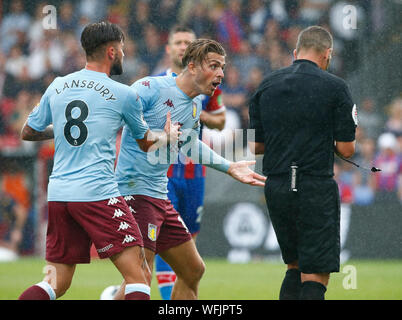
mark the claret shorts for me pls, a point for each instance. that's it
(74, 226)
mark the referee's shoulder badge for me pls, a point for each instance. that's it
(354, 114)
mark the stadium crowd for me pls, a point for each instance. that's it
(259, 37)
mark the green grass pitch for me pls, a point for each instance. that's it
(361, 280)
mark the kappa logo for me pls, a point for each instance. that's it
(146, 83)
(123, 226)
(152, 232)
(128, 198)
(128, 238)
(169, 103)
(113, 201)
(131, 209)
(118, 213)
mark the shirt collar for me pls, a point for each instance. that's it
(305, 60)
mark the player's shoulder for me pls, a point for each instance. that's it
(155, 82)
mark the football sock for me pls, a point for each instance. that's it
(291, 285)
(137, 291)
(39, 291)
(312, 290)
(165, 277)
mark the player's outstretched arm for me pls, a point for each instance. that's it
(237, 170)
(240, 171)
(29, 134)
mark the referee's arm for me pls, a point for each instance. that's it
(257, 146)
(345, 122)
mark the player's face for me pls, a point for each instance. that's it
(178, 45)
(117, 66)
(210, 74)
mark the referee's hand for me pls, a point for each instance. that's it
(240, 171)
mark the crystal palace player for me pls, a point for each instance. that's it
(187, 179)
(87, 109)
(143, 181)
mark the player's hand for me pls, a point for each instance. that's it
(240, 171)
(172, 130)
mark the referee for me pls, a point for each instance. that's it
(302, 115)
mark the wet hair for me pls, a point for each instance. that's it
(314, 37)
(180, 28)
(96, 36)
(198, 50)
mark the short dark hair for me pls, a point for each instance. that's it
(95, 36)
(198, 50)
(314, 37)
(180, 28)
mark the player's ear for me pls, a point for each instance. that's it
(328, 54)
(111, 52)
(295, 54)
(191, 67)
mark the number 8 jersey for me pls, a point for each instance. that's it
(87, 109)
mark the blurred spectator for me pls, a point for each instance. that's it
(245, 60)
(369, 119)
(94, 10)
(47, 55)
(164, 14)
(36, 30)
(74, 57)
(198, 20)
(16, 61)
(275, 55)
(14, 205)
(363, 181)
(389, 159)
(66, 20)
(346, 199)
(311, 11)
(230, 30)
(14, 25)
(152, 50)
(141, 18)
(257, 19)
(394, 122)
(23, 106)
(233, 92)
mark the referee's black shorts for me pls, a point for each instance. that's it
(307, 222)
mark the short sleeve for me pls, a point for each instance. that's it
(41, 116)
(345, 121)
(255, 119)
(133, 115)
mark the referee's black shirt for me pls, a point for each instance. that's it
(298, 112)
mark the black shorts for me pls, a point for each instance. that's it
(306, 222)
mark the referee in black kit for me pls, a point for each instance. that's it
(302, 115)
